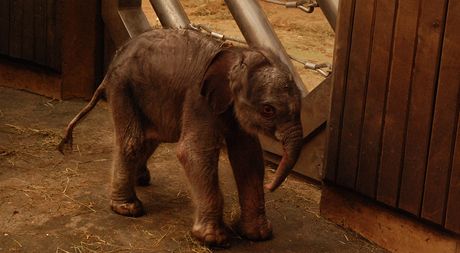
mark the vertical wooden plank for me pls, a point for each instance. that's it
(453, 203)
(59, 37)
(444, 123)
(450, 72)
(27, 43)
(425, 73)
(53, 49)
(15, 35)
(4, 26)
(376, 95)
(81, 47)
(397, 99)
(40, 31)
(355, 93)
(50, 31)
(339, 77)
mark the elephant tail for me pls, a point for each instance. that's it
(67, 140)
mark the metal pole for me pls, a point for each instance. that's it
(170, 13)
(330, 9)
(258, 32)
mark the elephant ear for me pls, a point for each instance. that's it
(216, 83)
(227, 75)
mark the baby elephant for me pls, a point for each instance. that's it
(183, 86)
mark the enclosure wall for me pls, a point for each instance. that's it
(51, 47)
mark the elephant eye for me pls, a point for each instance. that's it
(268, 111)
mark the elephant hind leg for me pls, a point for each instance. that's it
(129, 154)
(143, 174)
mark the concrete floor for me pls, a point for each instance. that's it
(55, 203)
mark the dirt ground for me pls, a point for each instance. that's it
(55, 203)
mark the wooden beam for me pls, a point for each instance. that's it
(394, 130)
(20, 76)
(445, 115)
(39, 32)
(316, 106)
(82, 53)
(339, 77)
(54, 34)
(15, 33)
(27, 42)
(4, 26)
(355, 93)
(374, 112)
(383, 226)
(449, 81)
(422, 95)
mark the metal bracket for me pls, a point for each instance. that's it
(309, 8)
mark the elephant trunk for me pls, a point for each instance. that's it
(292, 144)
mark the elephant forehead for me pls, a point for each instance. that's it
(271, 80)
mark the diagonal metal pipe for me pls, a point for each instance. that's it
(258, 32)
(330, 8)
(170, 13)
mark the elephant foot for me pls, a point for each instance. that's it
(211, 234)
(255, 229)
(143, 177)
(128, 208)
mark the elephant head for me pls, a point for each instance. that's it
(264, 96)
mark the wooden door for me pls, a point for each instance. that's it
(394, 124)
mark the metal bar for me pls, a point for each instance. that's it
(330, 9)
(170, 13)
(258, 32)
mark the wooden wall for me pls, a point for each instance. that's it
(394, 128)
(51, 47)
(31, 31)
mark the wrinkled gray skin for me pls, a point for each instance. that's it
(182, 86)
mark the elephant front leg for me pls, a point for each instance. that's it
(246, 158)
(200, 164)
